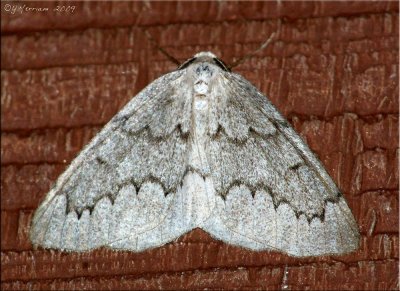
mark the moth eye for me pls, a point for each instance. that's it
(221, 64)
(186, 64)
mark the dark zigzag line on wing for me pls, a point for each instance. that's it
(221, 131)
(104, 163)
(261, 186)
(150, 178)
(153, 137)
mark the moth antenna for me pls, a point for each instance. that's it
(163, 51)
(245, 57)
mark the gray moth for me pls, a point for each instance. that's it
(199, 147)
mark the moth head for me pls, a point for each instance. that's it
(204, 57)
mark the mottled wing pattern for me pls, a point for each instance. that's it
(273, 193)
(124, 190)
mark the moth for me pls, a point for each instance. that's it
(200, 147)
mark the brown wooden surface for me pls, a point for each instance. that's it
(333, 71)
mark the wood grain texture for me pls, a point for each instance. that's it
(332, 71)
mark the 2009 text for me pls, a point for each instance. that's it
(67, 9)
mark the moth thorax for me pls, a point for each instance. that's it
(203, 74)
